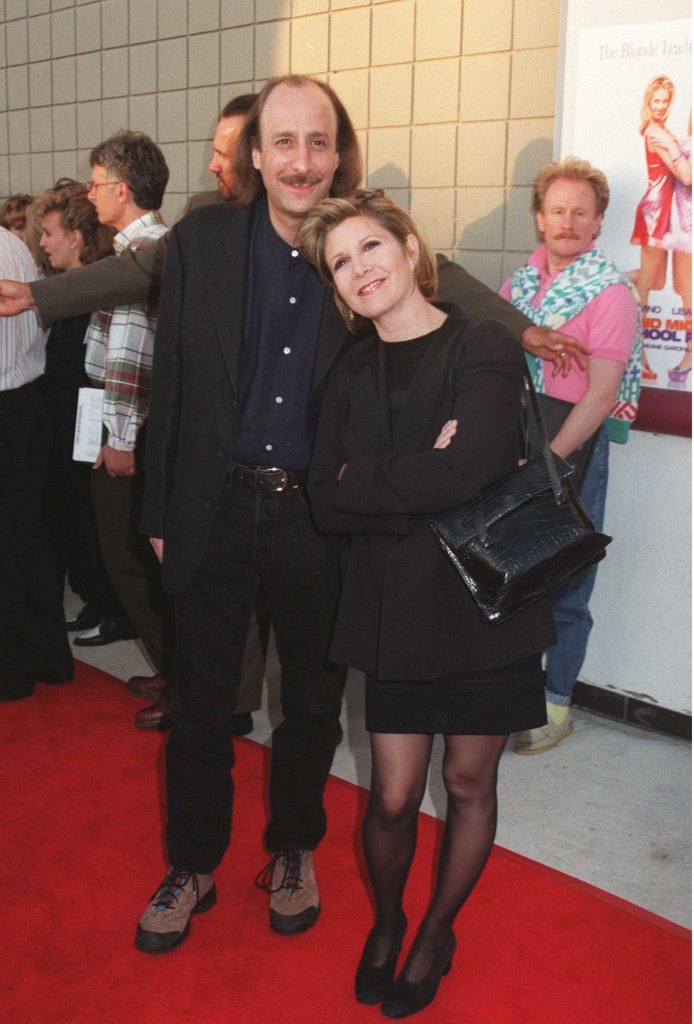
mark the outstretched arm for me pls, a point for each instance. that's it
(114, 281)
(481, 303)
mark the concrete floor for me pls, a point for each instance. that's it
(611, 805)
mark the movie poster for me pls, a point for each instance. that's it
(627, 108)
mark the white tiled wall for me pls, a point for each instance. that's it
(453, 99)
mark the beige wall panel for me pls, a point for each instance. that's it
(272, 49)
(520, 223)
(236, 12)
(203, 15)
(172, 64)
(482, 153)
(172, 18)
(203, 60)
(353, 89)
(142, 114)
(62, 33)
(388, 164)
(310, 38)
(40, 84)
(433, 210)
(485, 83)
(438, 31)
(142, 20)
(350, 39)
(17, 88)
(114, 23)
(487, 25)
(535, 23)
(237, 54)
(433, 156)
(88, 29)
(480, 218)
(143, 68)
(391, 96)
(39, 35)
(533, 83)
(436, 91)
(301, 7)
(392, 33)
(529, 147)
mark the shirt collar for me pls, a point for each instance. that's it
(123, 238)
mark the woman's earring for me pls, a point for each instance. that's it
(351, 314)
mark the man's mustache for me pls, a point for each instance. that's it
(567, 234)
(301, 179)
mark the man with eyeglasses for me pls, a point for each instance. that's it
(128, 179)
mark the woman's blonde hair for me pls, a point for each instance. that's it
(372, 203)
(659, 82)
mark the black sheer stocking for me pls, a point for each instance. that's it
(398, 779)
(470, 770)
(399, 773)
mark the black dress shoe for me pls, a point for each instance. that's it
(408, 997)
(242, 724)
(372, 984)
(87, 618)
(106, 632)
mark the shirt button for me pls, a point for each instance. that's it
(279, 399)
(286, 350)
(268, 447)
(295, 252)
(292, 301)
(221, 454)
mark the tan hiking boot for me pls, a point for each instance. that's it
(290, 878)
(536, 741)
(165, 923)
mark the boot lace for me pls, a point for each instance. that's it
(291, 879)
(167, 895)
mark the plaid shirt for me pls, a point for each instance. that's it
(120, 343)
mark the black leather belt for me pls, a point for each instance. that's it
(270, 478)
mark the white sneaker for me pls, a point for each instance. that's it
(536, 741)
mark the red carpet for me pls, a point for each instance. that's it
(80, 831)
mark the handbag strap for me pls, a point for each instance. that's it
(554, 478)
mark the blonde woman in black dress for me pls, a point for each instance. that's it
(420, 412)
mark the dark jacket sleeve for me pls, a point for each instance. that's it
(115, 281)
(165, 397)
(326, 462)
(487, 384)
(474, 298)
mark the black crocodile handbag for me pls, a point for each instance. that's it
(521, 536)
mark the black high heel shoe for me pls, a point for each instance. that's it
(372, 984)
(408, 997)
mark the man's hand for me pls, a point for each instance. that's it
(447, 434)
(15, 298)
(116, 463)
(558, 348)
(158, 545)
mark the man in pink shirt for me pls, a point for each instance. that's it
(568, 284)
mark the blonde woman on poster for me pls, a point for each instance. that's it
(666, 162)
(678, 240)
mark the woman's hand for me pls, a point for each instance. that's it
(447, 433)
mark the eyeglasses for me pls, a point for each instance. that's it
(92, 186)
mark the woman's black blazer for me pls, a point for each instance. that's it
(404, 612)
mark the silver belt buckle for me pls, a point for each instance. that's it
(285, 479)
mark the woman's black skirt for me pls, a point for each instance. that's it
(493, 701)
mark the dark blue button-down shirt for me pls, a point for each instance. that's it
(284, 300)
